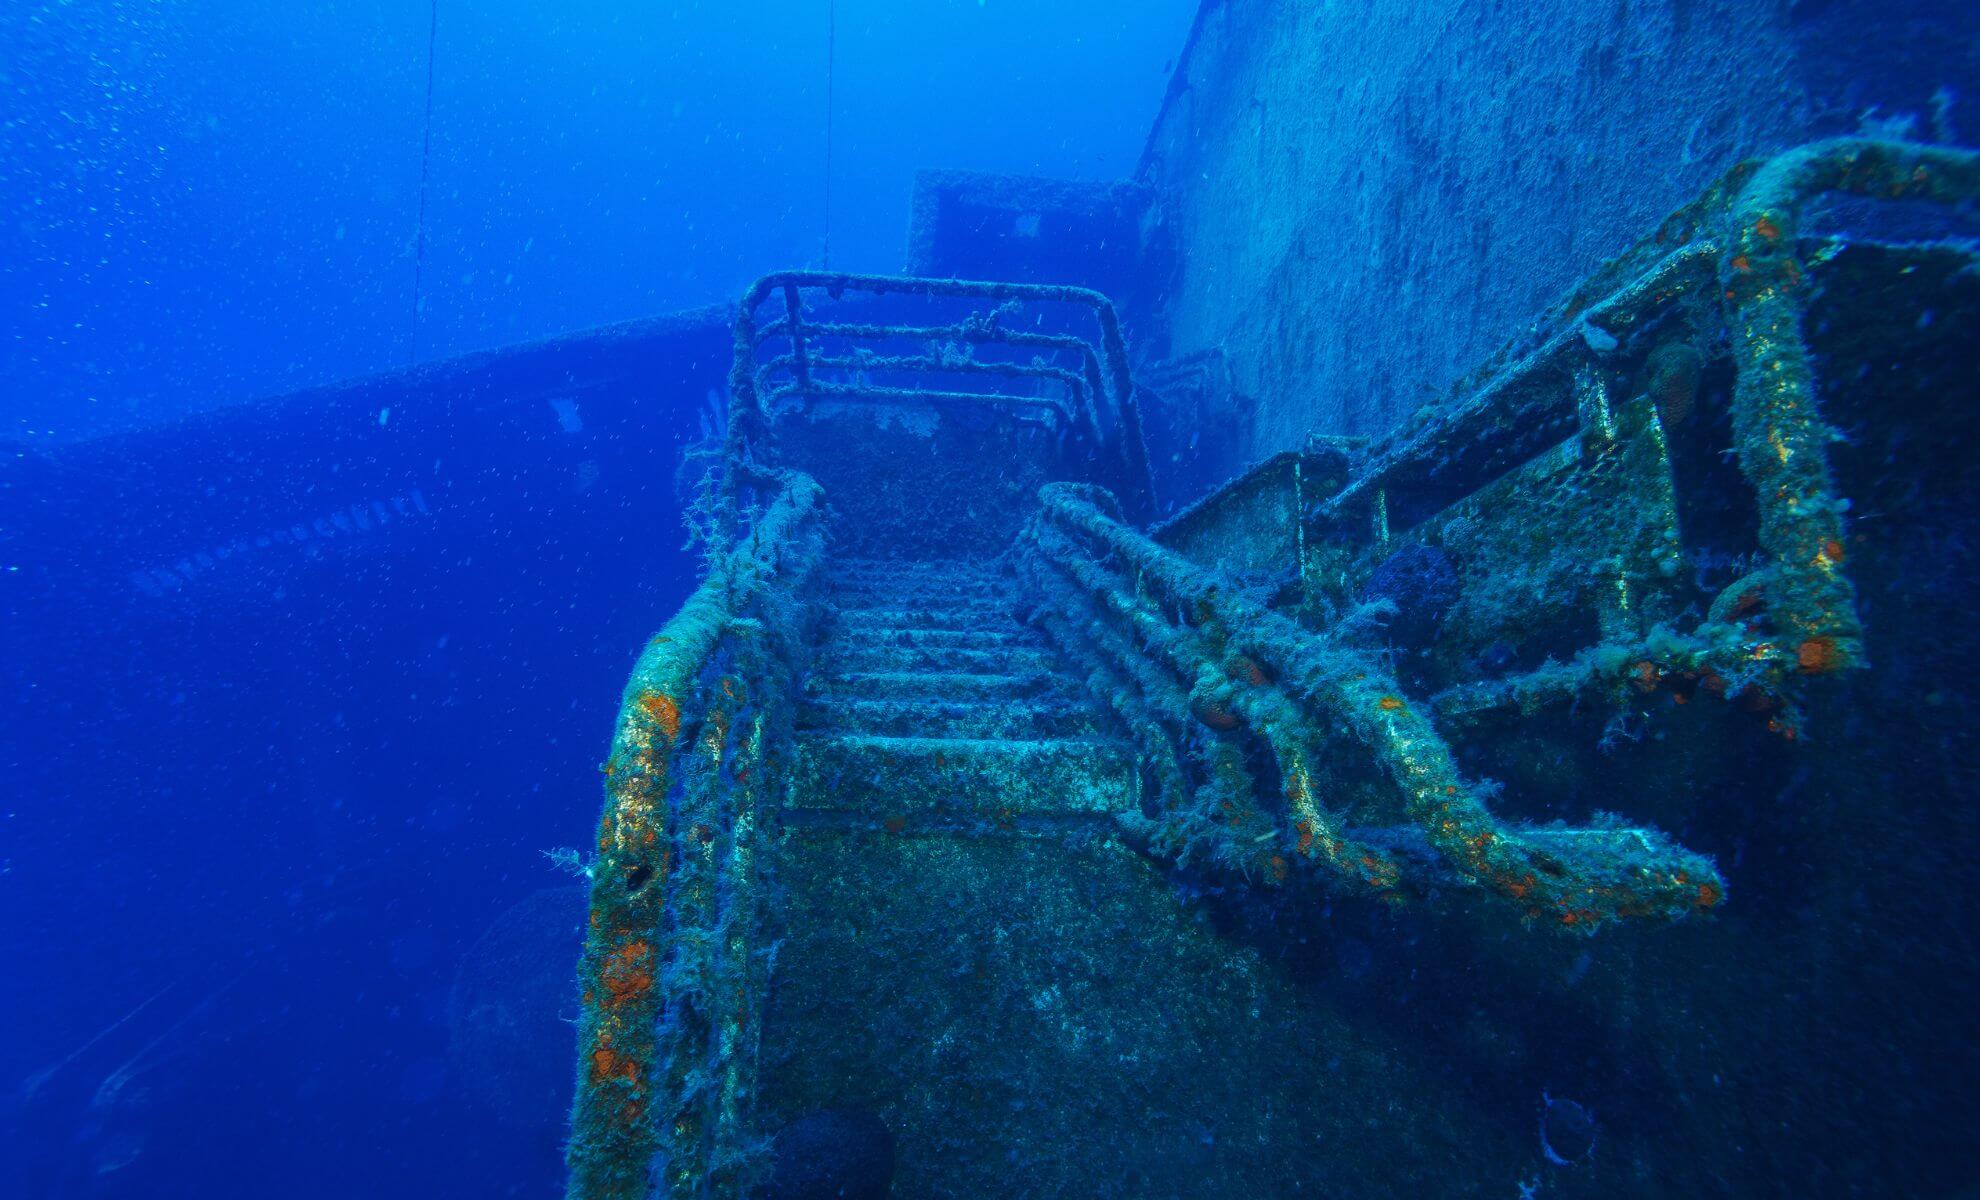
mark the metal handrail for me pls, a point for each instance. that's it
(1100, 395)
(1075, 386)
(672, 982)
(1190, 661)
(1022, 406)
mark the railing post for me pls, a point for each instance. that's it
(1779, 434)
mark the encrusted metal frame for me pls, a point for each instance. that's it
(672, 977)
(1200, 673)
(1225, 663)
(1071, 383)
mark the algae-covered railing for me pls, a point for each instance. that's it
(1735, 271)
(1195, 669)
(986, 359)
(672, 974)
(1781, 438)
(1544, 478)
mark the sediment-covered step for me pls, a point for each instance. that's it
(978, 604)
(954, 685)
(860, 656)
(923, 568)
(1007, 637)
(920, 716)
(947, 581)
(921, 585)
(969, 570)
(924, 613)
(886, 776)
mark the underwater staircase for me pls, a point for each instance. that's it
(894, 801)
(931, 707)
(968, 949)
(882, 799)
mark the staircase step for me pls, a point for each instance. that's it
(907, 776)
(1012, 637)
(916, 614)
(842, 657)
(912, 597)
(888, 568)
(916, 582)
(1028, 718)
(944, 685)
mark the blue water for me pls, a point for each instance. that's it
(213, 201)
(269, 773)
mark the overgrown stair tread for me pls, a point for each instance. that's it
(948, 718)
(909, 685)
(884, 776)
(926, 636)
(930, 700)
(946, 615)
(863, 656)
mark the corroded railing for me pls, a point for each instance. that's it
(1779, 433)
(1193, 666)
(1078, 385)
(1734, 277)
(672, 976)
(1572, 480)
